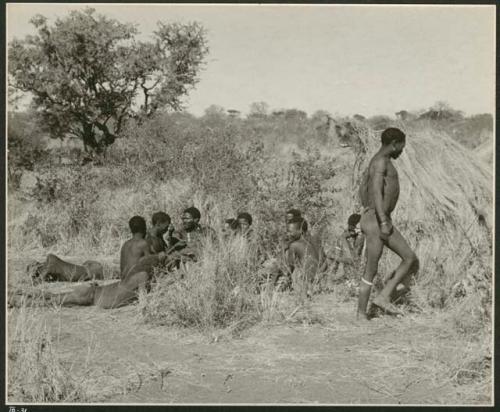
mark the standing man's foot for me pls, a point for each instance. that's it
(386, 306)
(361, 317)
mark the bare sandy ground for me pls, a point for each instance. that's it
(331, 360)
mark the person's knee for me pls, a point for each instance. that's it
(413, 261)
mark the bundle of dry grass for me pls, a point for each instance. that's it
(485, 151)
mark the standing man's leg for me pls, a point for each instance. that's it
(374, 247)
(408, 266)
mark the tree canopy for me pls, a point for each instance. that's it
(87, 73)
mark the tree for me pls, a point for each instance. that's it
(259, 109)
(87, 73)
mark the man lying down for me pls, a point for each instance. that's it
(136, 261)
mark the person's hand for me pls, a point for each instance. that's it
(385, 230)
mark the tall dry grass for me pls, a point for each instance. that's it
(36, 370)
(171, 163)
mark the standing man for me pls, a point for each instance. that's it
(379, 193)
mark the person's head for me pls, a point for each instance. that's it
(137, 225)
(244, 221)
(292, 214)
(161, 222)
(230, 225)
(190, 218)
(395, 140)
(352, 221)
(295, 228)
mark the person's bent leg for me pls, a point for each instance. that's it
(59, 269)
(409, 265)
(82, 295)
(374, 248)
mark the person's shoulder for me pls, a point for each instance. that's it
(298, 244)
(379, 161)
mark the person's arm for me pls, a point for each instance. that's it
(358, 246)
(146, 248)
(379, 171)
(170, 239)
(346, 251)
(291, 257)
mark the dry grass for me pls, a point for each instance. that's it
(36, 370)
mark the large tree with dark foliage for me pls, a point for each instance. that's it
(87, 73)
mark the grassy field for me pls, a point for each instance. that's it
(209, 337)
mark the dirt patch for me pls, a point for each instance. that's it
(336, 361)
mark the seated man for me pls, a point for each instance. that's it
(230, 227)
(186, 242)
(349, 247)
(161, 224)
(244, 220)
(137, 264)
(303, 257)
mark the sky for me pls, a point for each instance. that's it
(345, 59)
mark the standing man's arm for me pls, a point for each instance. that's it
(379, 172)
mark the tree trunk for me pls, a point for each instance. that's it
(88, 137)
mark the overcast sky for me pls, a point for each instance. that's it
(342, 58)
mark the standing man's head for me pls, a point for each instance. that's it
(137, 225)
(295, 228)
(292, 214)
(244, 221)
(352, 222)
(395, 140)
(190, 218)
(161, 221)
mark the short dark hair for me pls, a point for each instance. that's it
(246, 216)
(194, 212)
(232, 222)
(160, 217)
(354, 219)
(300, 221)
(392, 134)
(137, 225)
(294, 212)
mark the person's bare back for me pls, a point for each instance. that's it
(132, 250)
(136, 263)
(303, 255)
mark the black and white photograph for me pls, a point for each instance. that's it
(249, 204)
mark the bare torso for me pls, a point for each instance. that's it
(156, 243)
(390, 191)
(132, 250)
(303, 253)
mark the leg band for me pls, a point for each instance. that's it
(366, 282)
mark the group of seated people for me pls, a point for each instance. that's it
(163, 245)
